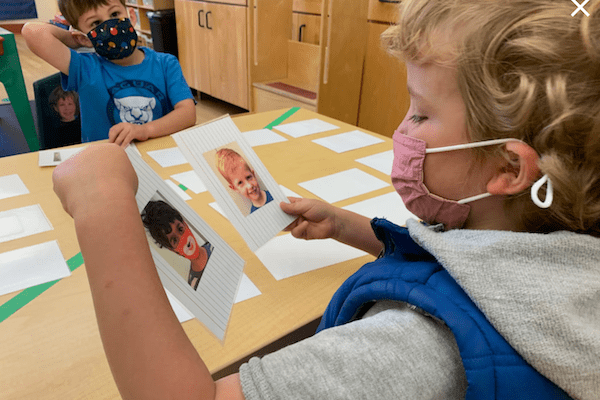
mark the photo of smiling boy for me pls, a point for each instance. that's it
(169, 230)
(241, 177)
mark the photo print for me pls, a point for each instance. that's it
(194, 263)
(237, 179)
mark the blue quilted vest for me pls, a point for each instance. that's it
(408, 273)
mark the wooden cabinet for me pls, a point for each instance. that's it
(212, 46)
(383, 98)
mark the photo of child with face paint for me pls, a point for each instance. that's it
(169, 230)
(241, 178)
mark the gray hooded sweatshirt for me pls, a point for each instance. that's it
(540, 291)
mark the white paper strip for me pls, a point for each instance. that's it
(262, 136)
(343, 185)
(53, 157)
(348, 141)
(190, 180)
(304, 128)
(382, 162)
(21, 222)
(11, 186)
(388, 206)
(168, 157)
(247, 290)
(285, 256)
(31, 266)
(178, 190)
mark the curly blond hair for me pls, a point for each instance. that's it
(529, 70)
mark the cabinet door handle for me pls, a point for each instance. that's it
(208, 26)
(300, 32)
(389, 1)
(200, 18)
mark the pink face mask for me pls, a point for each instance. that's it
(187, 246)
(407, 178)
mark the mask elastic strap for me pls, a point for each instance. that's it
(549, 192)
(470, 145)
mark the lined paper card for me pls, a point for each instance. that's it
(202, 271)
(31, 266)
(382, 162)
(21, 222)
(348, 141)
(343, 185)
(236, 178)
(305, 128)
(11, 186)
(285, 256)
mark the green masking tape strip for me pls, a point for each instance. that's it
(13, 305)
(285, 116)
(182, 187)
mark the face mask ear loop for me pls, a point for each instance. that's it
(549, 192)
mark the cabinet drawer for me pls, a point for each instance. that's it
(307, 6)
(383, 11)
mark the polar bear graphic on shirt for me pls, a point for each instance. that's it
(135, 109)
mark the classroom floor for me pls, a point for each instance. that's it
(34, 68)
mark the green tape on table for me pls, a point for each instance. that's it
(13, 305)
(182, 187)
(285, 116)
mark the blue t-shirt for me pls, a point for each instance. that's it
(110, 93)
(269, 198)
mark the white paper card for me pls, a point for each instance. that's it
(21, 222)
(218, 208)
(180, 312)
(11, 186)
(178, 190)
(343, 185)
(262, 136)
(203, 272)
(382, 162)
(285, 256)
(53, 157)
(31, 266)
(348, 141)
(190, 180)
(306, 127)
(247, 290)
(389, 206)
(168, 157)
(220, 143)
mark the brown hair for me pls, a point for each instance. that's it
(73, 9)
(58, 94)
(526, 69)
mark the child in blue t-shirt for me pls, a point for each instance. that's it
(126, 92)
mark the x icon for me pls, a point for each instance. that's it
(580, 7)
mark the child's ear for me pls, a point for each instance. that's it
(132, 16)
(519, 173)
(232, 187)
(82, 39)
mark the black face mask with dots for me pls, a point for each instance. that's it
(114, 39)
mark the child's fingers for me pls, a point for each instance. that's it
(296, 206)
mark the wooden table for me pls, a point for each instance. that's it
(51, 348)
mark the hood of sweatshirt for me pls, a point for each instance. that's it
(540, 291)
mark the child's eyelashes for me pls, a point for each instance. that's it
(417, 119)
